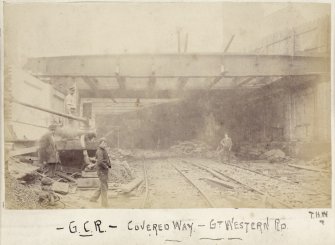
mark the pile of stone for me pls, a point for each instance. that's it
(190, 148)
(120, 154)
(251, 151)
(120, 172)
(274, 155)
(19, 196)
(262, 151)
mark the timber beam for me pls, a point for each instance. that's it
(178, 65)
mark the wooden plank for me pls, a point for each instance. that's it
(308, 168)
(19, 169)
(132, 185)
(217, 181)
(23, 151)
(89, 174)
(65, 176)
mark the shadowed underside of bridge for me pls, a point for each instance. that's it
(169, 76)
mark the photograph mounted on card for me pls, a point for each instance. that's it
(167, 105)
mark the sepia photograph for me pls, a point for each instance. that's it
(167, 105)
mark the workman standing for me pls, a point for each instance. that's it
(70, 105)
(70, 102)
(48, 151)
(103, 164)
(226, 144)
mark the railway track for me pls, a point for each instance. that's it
(279, 179)
(210, 203)
(280, 193)
(182, 182)
(146, 193)
(218, 190)
(192, 189)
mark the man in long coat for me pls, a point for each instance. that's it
(48, 151)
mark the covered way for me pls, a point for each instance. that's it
(165, 116)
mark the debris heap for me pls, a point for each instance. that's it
(120, 171)
(262, 151)
(274, 155)
(190, 148)
(19, 196)
(251, 152)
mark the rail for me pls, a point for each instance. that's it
(146, 185)
(210, 203)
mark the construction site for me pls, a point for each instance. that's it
(235, 128)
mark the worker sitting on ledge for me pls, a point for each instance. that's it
(103, 164)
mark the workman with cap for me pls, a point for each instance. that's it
(48, 151)
(103, 164)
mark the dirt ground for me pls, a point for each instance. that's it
(183, 182)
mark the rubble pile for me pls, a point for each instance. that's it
(120, 154)
(190, 148)
(274, 155)
(251, 152)
(19, 196)
(120, 172)
(262, 151)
